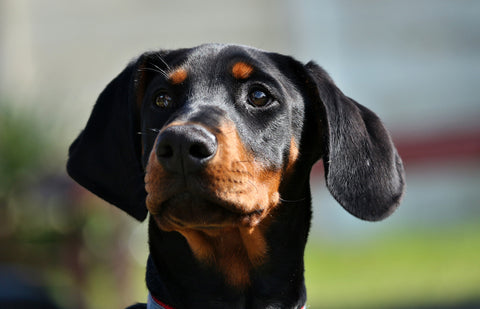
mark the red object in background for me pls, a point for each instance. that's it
(451, 146)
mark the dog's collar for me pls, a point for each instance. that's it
(154, 303)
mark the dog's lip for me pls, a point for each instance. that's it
(234, 216)
(186, 225)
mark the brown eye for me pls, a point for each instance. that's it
(163, 100)
(258, 98)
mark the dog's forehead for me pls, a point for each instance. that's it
(221, 51)
(217, 58)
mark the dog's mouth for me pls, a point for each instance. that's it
(187, 210)
(206, 202)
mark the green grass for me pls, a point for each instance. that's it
(423, 267)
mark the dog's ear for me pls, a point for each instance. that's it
(363, 170)
(105, 157)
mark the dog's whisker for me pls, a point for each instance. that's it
(163, 61)
(148, 131)
(293, 201)
(163, 73)
(244, 161)
(252, 184)
(157, 69)
(232, 131)
(149, 69)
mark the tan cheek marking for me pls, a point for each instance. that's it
(178, 76)
(154, 177)
(242, 70)
(292, 158)
(237, 177)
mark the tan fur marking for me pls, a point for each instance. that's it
(292, 158)
(233, 250)
(200, 244)
(255, 244)
(154, 177)
(178, 76)
(242, 70)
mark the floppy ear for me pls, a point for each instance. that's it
(363, 170)
(105, 157)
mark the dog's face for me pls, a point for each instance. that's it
(221, 128)
(226, 133)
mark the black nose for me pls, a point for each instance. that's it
(185, 148)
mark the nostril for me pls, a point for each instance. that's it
(201, 150)
(164, 151)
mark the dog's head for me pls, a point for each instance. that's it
(216, 135)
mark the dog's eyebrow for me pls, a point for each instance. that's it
(242, 70)
(177, 76)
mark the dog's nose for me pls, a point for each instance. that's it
(185, 148)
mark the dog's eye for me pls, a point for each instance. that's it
(163, 100)
(259, 98)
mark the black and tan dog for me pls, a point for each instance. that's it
(217, 143)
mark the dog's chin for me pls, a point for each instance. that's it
(187, 211)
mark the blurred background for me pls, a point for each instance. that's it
(415, 63)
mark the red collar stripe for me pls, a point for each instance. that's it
(154, 303)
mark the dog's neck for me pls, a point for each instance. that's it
(178, 278)
(233, 251)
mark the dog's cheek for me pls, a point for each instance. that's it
(293, 155)
(245, 180)
(154, 179)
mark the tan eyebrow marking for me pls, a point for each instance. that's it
(178, 76)
(242, 70)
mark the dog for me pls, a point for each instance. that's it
(217, 143)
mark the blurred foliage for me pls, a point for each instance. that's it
(51, 228)
(22, 147)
